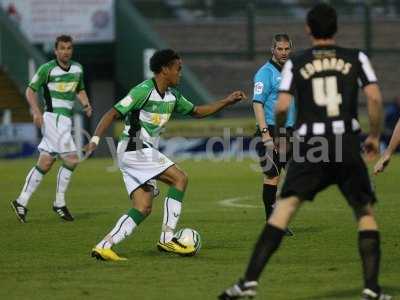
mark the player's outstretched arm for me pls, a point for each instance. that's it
(374, 103)
(393, 144)
(103, 125)
(31, 97)
(209, 109)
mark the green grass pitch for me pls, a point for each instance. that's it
(49, 259)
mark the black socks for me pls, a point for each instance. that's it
(269, 198)
(267, 244)
(369, 249)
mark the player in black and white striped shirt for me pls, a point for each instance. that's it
(325, 80)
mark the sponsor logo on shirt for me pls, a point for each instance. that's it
(156, 119)
(66, 86)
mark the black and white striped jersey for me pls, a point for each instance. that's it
(325, 81)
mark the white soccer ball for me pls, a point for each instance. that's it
(189, 237)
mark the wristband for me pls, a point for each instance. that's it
(95, 139)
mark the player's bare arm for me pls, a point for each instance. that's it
(395, 140)
(105, 122)
(84, 100)
(31, 97)
(260, 118)
(209, 109)
(386, 156)
(374, 103)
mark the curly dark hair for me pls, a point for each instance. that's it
(162, 58)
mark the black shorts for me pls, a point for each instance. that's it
(350, 174)
(271, 161)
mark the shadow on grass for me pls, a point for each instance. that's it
(300, 230)
(89, 215)
(52, 219)
(154, 253)
(347, 294)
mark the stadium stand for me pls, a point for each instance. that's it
(237, 72)
(11, 99)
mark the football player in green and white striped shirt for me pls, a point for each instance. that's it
(62, 82)
(145, 110)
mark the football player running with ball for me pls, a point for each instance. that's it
(145, 110)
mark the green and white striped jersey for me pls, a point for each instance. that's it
(146, 112)
(60, 86)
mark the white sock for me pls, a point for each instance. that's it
(172, 212)
(63, 179)
(32, 181)
(121, 230)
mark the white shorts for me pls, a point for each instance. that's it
(141, 166)
(57, 138)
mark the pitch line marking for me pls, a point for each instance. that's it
(233, 202)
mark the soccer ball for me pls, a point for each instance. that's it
(189, 237)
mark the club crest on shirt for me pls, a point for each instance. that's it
(258, 88)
